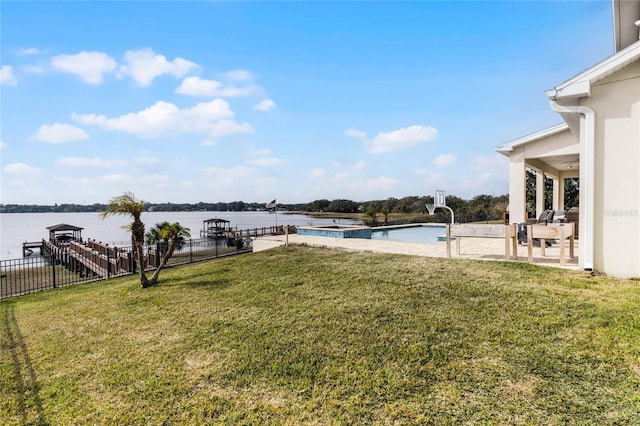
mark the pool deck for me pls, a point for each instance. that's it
(470, 248)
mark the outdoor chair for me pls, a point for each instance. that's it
(544, 218)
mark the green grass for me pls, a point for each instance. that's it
(314, 336)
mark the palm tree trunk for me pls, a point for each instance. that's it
(137, 239)
(163, 262)
(144, 282)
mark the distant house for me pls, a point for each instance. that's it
(599, 142)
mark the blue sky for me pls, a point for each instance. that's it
(225, 101)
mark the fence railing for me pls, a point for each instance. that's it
(91, 261)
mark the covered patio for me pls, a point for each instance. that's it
(551, 153)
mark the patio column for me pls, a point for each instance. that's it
(539, 193)
(561, 183)
(557, 194)
(517, 187)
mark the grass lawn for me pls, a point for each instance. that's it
(314, 336)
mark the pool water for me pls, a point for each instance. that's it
(413, 234)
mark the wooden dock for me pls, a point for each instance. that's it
(28, 246)
(261, 232)
(94, 258)
(91, 259)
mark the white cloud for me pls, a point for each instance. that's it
(95, 162)
(3, 144)
(316, 173)
(402, 138)
(60, 133)
(445, 160)
(354, 133)
(225, 128)
(237, 75)
(267, 161)
(359, 165)
(381, 183)
(89, 66)
(477, 184)
(259, 152)
(435, 181)
(29, 51)
(98, 162)
(146, 159)
(340, 177)
(483, 162)
(422, 172)
(236, 92)
(264, 105)
(144, 66)
(196, 86)
(20, 169)
(32, 69)
(228, 177)
(7, 77)
(162, 119)
(141, 182)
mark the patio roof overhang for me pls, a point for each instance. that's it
(553, 150)
(625, 14)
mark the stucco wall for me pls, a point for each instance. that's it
(616, 102)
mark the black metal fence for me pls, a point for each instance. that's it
(61, 268)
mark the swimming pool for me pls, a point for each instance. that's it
(422, 234)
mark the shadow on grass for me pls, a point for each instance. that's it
(216, 283)
(200, 279)
(25, 385)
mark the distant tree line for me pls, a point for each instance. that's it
(571, 193)
(479, 208)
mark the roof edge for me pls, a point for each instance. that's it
(579, 86)
(507, 147)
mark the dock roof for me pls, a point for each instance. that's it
(64, 227)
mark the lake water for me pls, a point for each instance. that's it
(16, 228)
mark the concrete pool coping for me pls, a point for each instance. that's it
(471, 248)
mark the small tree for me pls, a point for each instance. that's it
(127, 205)
(160, 233)
(373, 215)
(171, 236)
(385, 213)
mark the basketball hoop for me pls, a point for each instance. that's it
(431, 208)
(439, 201)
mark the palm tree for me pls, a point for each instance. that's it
(127, 205)
(173, 234)
(385, 213)
(373, 215)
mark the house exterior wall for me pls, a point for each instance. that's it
(616, 103)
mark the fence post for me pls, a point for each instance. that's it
(157, 254)
(108, 262)
(53, 268)
(190, 251)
